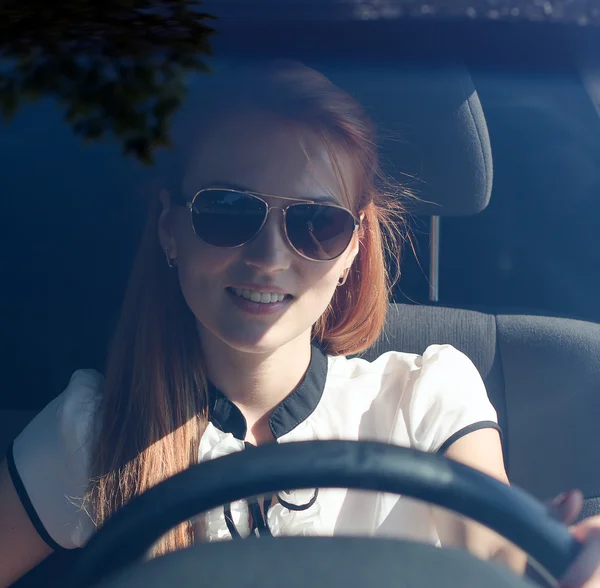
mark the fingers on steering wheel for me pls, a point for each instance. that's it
(585, 572)
(566, 507)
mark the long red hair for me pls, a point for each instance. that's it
(154, 407)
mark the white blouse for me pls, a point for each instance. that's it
(425, 402)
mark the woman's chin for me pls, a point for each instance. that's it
(259, 341)
(227, 333)
(262, 345)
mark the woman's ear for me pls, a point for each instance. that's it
(352, 251)
(165, 232)
(355, 243)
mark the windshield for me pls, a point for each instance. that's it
(487, 129)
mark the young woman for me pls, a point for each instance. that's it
(261, 269)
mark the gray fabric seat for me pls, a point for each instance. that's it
(543, 377)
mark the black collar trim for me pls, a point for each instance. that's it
(288, 414)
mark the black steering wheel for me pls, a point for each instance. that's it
(326, 464)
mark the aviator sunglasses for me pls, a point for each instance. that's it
(317, 231)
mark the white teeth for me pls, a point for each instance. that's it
(263, 297)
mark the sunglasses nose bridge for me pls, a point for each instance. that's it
(270, 248)
(281, 222)
(283, 210)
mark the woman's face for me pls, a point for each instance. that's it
(257, 153)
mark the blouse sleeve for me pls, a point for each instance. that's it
(445, 400)
(49, 463)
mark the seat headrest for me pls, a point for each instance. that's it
(432, 132)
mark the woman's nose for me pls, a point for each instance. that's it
(270, 250)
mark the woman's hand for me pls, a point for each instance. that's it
(482, 450)
(585, 572)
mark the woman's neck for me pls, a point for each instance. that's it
(256, 382)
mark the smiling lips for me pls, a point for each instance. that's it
(262, 297)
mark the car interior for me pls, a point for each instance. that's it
(451, 132)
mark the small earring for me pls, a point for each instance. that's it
(344, 277)
(171, 261)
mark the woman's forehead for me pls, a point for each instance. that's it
(265, 155)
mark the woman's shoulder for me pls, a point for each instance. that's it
(442, 359)
(49, 461)
(424, 401)
(83, 392)
(69, 418)
(78, 404)
(396, 377)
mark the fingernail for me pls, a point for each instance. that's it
(557, 504)
(561, 498)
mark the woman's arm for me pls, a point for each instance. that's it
(21, 548)
(480, 450)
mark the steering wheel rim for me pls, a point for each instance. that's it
(359, 465)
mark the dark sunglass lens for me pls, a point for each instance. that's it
(226, 218)
(319, 231)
